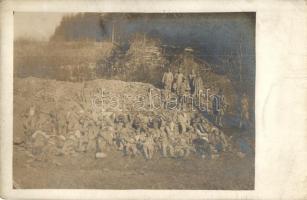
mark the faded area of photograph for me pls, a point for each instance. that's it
(134, 101)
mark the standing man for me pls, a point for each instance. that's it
(30, 125)
(167, 80)
(198, 85)
(92, 137)
(163, 140)
(244, 116)
(219, 107)
(183, 93)
(148, 146)
(192, 79)
(178, 81)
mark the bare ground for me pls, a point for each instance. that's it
(83, 171)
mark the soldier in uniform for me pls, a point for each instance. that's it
(148, 147)
(155, 122)
(122, 137)
(198, 86)
(192, 78)
(39, 141)
(178, 81)
(131, 146)
(118, 137)
(108, 135)
(170, 129)
(139, 138)
(144, 122)
(182, 122)
(244, 116)
(83, 140)
(30, 125)
(136, 123)
(182, 148)
(165, 97)
(163, 140)
(183, 93)
(223, 140)
(70, 145)
(71, 120)
(167, 80)
(219, 107)
(215, 140)
(129, 140)
(155, 132)
(92, 137)
(202, 144)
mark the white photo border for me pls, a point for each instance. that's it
(281, 88)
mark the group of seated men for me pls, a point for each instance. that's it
(147, 134)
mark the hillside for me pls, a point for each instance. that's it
(51, 96)
(48, 59)
(61, 97)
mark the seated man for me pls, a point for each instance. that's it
(182, 149)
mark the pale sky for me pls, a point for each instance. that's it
(36, 25)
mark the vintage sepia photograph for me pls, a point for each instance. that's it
(134, 100)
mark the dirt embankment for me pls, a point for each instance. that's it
(115, 171)
(62, 96)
